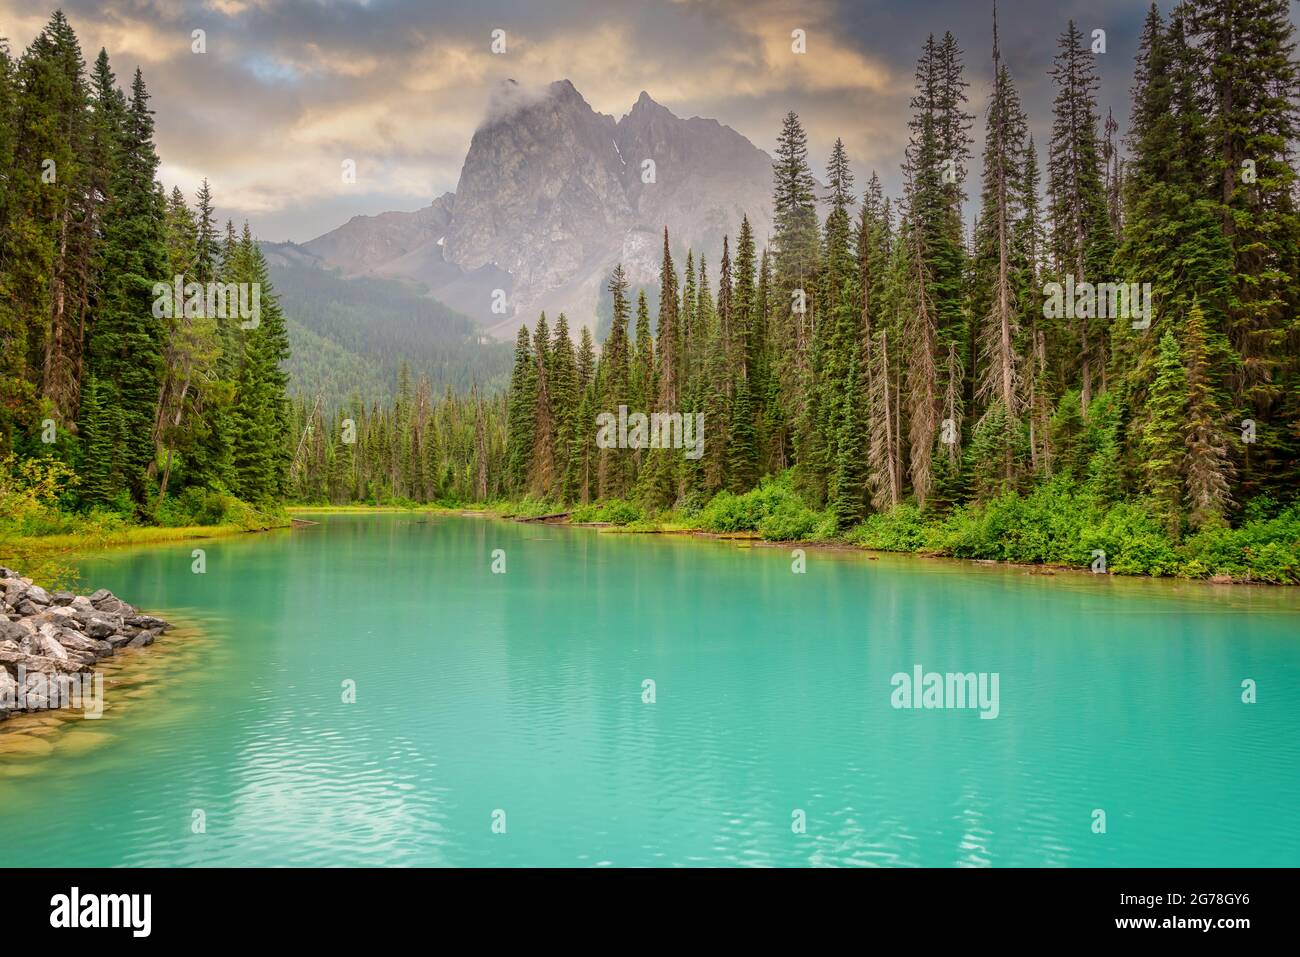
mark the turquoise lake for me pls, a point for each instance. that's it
(524, 693)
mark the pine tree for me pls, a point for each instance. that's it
(101, 426)
(1082, 243)
(1208, 465)
(127, 339)
(934, 314)
(669, 351)
(615, 466)
(1162, 437)
(261, 450)
(686, 355)
(1000, 384)
(565, 396)
(742, 446)
(543, 476)
(642, 394)
(523, 402)
(1250, 75)
(851, 458)
(793, 206)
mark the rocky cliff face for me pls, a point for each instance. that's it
(367, 243)
(552, 195)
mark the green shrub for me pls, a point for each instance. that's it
(728, 512)
(619, 512)
(616, 511)
(1133, 540)
(30, 492)
(1262, 549)
(1044, 526)
(902, 529)
(790, 521)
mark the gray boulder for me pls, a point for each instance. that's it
(14, 589)
(73, 641)
(49, 646)
(49, 666)
(103, 626)
(105, 600)
(58, 614)
(142, 640)
(148, 621)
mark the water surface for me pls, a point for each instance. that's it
(522, 693)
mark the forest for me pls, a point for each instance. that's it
(891, 376)
(111, 408)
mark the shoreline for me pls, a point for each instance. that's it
(51, 643)
(501, 512)
(757, 541)
(41, 555)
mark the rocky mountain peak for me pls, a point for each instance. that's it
(552, 194)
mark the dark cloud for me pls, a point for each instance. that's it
(290, 88)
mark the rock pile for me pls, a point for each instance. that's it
(51, 634)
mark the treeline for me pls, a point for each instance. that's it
(141, 401)
(351, 336)
(897, 356)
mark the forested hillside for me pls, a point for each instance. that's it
(903, 379)
(349, 337)
(141, 344)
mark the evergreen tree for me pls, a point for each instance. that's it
(1208, 464)
(543, 477)
(1082, 243)
(565, 396)
(1162, 437)
(1247, 66)
(615, 469)
(1000, 383)
(127, 338)
(850, 462)
(523, 403)
(261, 450)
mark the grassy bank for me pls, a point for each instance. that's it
(370, 509)
(45, 558)
(39, 532)
(1056, 525)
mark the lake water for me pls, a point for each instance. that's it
(518, 700)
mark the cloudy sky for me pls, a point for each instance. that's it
(288, 89)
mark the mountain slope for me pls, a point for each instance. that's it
(350, 335)
(551, 196)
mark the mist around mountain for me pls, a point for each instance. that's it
(552, 195)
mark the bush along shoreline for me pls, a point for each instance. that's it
(1058, 524)
(50, 643)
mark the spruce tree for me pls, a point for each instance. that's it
(616, 465)
(1082, 243)
(1162, 436)
(126, 343)
(851, 458)
(1208, 465)
(521, 424)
